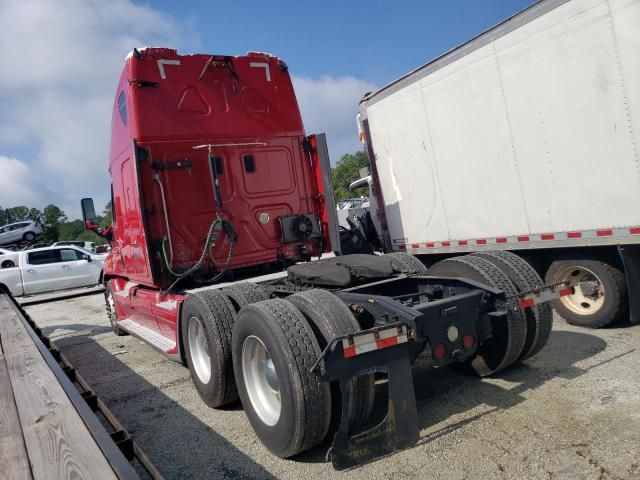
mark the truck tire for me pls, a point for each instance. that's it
(111, 312)
(539, 317)
(405, 263)
(600, 296)
(206, 327)
(505, 345)
(329, 318)
(288, 405)
(245, 293)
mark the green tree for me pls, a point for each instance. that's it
(105, 220)
(35, 215)
(17, 214)
(346, 171)
(3, 217)
(52, 218)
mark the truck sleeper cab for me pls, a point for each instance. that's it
(212, 172)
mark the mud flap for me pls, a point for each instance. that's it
(630, 255)
(399, 429)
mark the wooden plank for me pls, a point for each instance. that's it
(14, 462)
(59, 445)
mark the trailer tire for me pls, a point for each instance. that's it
(111, 312)
(245, 293)
(405, 263)
(539, 317)
(206, 327)
(505, 345)
(329, 318)
(583, 310)
(279, 336)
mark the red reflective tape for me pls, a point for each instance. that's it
(523, 238)
(604, 233)
(446, 244)
(526, 302)
(547, 236)
(431, 245)
(501, 240)
(415, 245)
(566, 291)
(463, 243)
(634, 230)
(481, 241)
(350, 352)
(574, 235)
(387, 342)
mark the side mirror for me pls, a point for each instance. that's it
(88, 211)
(88, 258)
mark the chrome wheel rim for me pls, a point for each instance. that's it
(199, 350)
(589, 294)
(261, 380)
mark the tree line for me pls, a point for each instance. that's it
(56, 226)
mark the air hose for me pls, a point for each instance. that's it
(218, 224)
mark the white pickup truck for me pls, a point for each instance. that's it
(49, 269)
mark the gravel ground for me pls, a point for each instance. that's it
(572, 411)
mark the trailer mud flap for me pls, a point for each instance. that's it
(630, 255)
(398, 430)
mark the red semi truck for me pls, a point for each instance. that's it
(213, 176)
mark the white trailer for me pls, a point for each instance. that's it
(525, 138)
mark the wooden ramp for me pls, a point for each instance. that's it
(45, 432)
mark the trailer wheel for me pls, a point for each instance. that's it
(600, 292)
(111, 312)
(504, 346)
(405, 263)
(540, 317)
(206, 326)
(329, 318)
(243, 294)
(287, 404)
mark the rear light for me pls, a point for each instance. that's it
(439, 352)
(468, 341)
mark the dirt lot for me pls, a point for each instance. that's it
(573, 411)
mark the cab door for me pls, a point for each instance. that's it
(44, 272)
(81, 271)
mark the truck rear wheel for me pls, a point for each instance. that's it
(406, 263)
(287, 404)
(207, 325)
(243, 294)
(539, 317)
(329, 318)
(504, 346)
(600, 292)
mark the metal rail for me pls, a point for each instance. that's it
(117, 445)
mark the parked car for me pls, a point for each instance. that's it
(103, 248)
(16, 232)
(91, 246)
(50, 269)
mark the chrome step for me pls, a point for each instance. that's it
(155, 339)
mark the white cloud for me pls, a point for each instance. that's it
(61, 62)
(330, 105)
(18, 185)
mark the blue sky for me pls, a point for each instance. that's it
(61, 61)
(376, 41)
